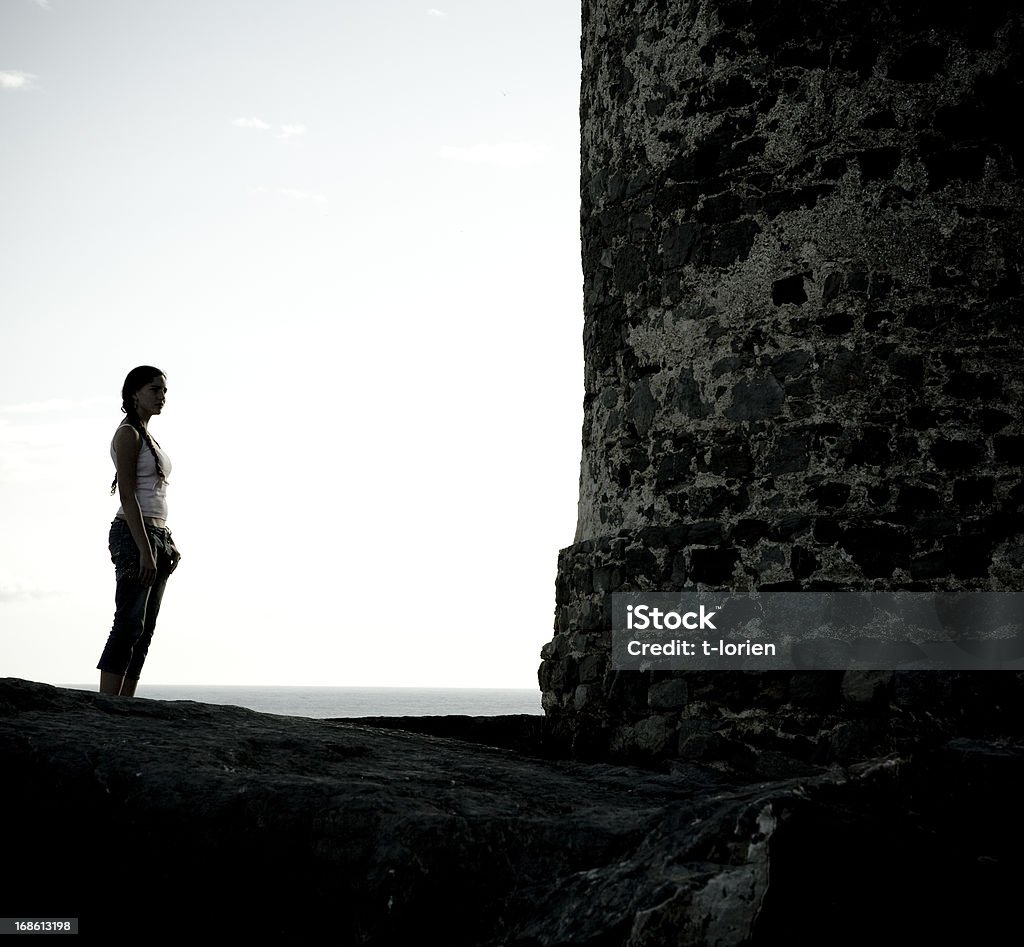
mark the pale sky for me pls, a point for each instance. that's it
(348, 233)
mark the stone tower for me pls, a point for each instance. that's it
(801, 226)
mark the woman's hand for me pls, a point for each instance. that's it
(175, 558)
(147, 567)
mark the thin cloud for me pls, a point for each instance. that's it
(433, 11)
(52, 405)
(251, 123)
(45, 4)
(39, 439)
(297, 195)
(13, 589)
(284, 131)
(505, 154)
(13, 79)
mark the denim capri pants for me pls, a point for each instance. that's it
(136, 606)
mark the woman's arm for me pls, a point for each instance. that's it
(127, 444)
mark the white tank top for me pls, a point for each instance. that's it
(150, 490)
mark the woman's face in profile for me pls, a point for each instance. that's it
(150, 397)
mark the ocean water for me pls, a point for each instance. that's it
(325, 702)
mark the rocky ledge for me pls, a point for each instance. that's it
(173, 817)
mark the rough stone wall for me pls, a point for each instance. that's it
(801, 227)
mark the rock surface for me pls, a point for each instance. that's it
(188, 819)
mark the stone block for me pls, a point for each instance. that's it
(668, 695)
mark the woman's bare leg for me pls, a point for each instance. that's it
(111, 683)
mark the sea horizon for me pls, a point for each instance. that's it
(326, 701)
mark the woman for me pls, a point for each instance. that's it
(141, 547)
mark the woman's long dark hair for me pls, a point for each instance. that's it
(138, 378)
